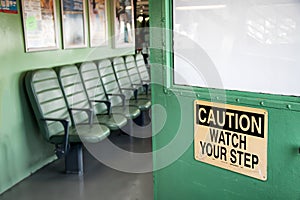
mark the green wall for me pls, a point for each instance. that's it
(22, 149)
(187, 178)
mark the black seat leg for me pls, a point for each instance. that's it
(142, 120)
(74, 160)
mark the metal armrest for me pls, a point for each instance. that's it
(128, 89)
(122, 96)
(139, 85)
(88, 111)
(146, 86)
(107, 103)
(62, 151)
(146, 81)
(135, 91)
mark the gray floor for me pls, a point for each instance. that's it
(98, 181)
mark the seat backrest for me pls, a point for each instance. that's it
(109, 80)
(74, 92)
(140, 63)
(122, 76)
(132, 70)
(47, 100)
(121, 72)
(93, 86)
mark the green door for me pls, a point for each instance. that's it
(178, 175)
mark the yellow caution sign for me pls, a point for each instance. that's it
(231, 137)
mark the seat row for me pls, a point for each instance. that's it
(74, 104)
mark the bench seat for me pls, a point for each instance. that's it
(130, 112)
(82, 133)
(77, 97)
(113, 122)
(142, 104)
(55, 122)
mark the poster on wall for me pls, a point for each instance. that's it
(39, 23)
(74, 30)
(124, 24)
(8, 6)
(98, 23)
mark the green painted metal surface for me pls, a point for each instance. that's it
(22, 148)
(187, 178)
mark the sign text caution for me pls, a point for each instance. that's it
(231, 137)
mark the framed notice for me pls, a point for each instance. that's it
(237, 45)
(124, 23)
(231, 137)
(98, 23)
(8, 6)
(39, 23)
(73, 21)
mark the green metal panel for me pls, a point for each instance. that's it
(22, 148)
(187, 178)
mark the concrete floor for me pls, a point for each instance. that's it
(98, 182)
